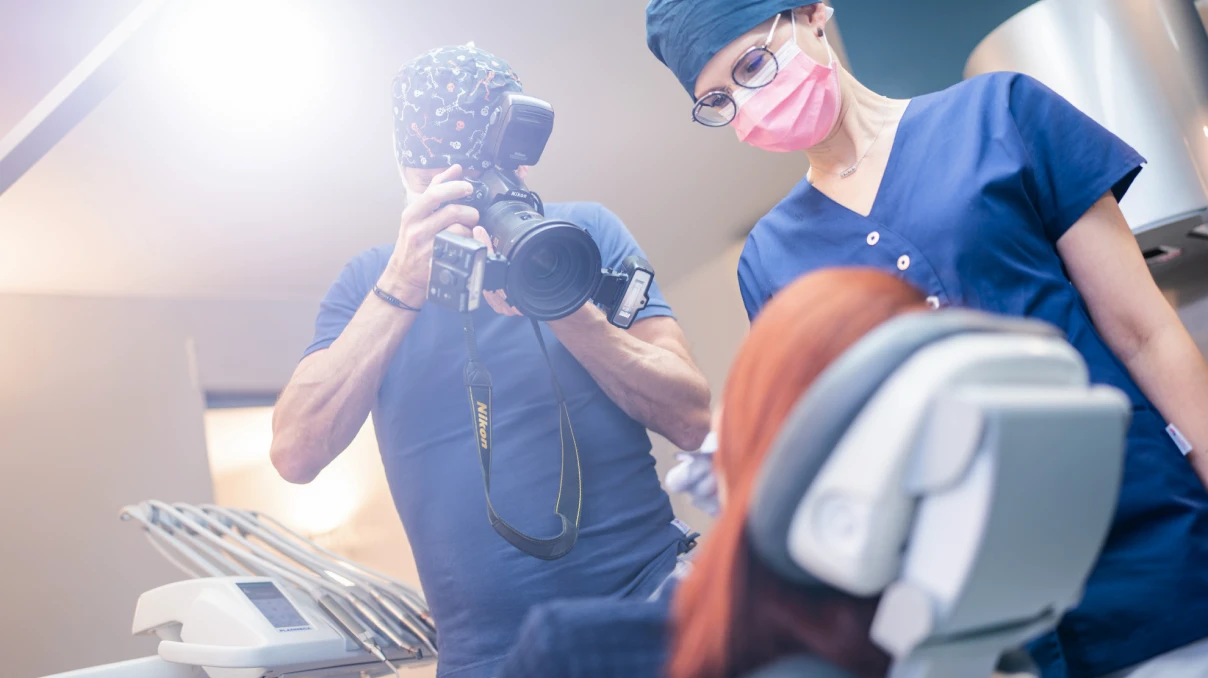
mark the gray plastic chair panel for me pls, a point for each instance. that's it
(823, 414)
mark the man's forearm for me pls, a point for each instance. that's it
(658, 388)
(331, 394)
(1171, 371)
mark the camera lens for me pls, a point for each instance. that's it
(543, 263)
(556, 270)
(553, 265)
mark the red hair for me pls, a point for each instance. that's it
(733, 614)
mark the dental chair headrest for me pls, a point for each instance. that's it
(958, 464)
(827, 409)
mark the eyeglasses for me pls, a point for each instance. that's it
(756, 68)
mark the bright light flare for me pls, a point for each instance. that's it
(340, 579)
(238, 442)
(258, 64)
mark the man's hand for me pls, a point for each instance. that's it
(407, 272)
(497, 299)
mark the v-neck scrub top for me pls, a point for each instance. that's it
(982, 180)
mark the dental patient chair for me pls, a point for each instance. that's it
(960, 466)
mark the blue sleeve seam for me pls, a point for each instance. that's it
(1078, 208)
(315, 347)
(1030, 162)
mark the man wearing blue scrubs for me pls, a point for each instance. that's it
(378, 346)
(999, 195)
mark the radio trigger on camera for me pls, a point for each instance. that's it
(622, 294)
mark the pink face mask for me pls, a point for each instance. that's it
(797, 110)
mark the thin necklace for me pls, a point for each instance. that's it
(852, 170)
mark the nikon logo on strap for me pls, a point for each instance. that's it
(570, 482)
(483, 422)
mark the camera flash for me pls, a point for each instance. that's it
(635, 296)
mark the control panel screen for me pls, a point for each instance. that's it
(272, 604)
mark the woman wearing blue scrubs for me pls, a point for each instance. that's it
(995, 194)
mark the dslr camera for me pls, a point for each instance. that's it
(548, 268)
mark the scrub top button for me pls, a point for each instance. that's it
(903, 262)
(873, 238)
(933, 302)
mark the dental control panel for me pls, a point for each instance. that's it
(273, 605)
(246, 627)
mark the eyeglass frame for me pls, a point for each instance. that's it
(754, 48)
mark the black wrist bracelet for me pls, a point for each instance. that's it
(393, 301)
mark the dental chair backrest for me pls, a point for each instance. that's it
(959, 465)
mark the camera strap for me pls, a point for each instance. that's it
(570, 484)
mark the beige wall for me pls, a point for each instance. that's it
(94, 413)
(101, 405)
(1187, 289)
(710, 310)
(1195, 316)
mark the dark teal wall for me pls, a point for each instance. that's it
(902, 48)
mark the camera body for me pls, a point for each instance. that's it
(549, 268)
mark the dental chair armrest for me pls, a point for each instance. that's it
(147, 667)
(226, 657)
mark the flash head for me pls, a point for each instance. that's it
(622, 294)
(519, 135)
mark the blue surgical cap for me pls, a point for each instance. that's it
(685, 34)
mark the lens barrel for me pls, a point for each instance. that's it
(553, 265)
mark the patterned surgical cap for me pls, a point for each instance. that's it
(444, 103)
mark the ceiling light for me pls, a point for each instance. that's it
(256, 63)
